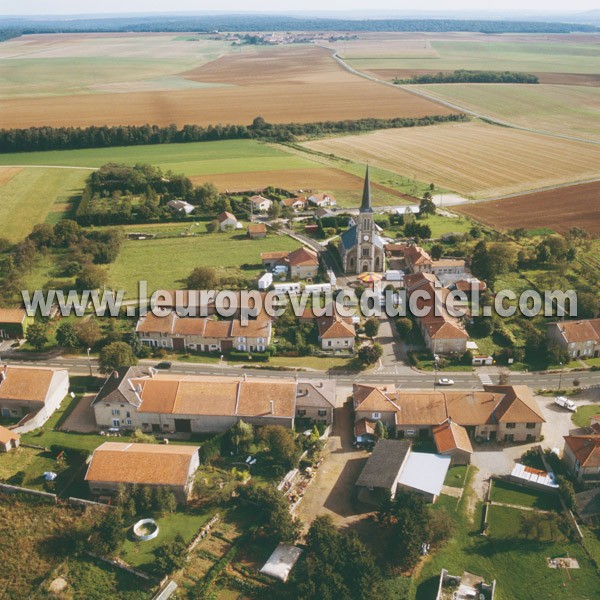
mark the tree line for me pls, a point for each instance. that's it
(71, 138)
(466, 76)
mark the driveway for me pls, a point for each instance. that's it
(500, 460)
(82, 417)
(332, 489)
(394, 359)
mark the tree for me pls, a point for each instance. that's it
(42, 235)
(37, 335)
(202, 278)
(281, 443)
(436, 251)
(66, 335)
(212, 226)
(109, 534)
(381, 432)
(566, 491)
(91, 277)
(371, 327)
(241, 435)
(163, 500)
(426, 206)
(370, 354)
(88, 332)
(116, 355)
(171, 556)
(67, 232)
(274, 210)
(404, 326)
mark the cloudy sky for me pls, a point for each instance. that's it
(69, 7)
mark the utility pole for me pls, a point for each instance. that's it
(90, 361)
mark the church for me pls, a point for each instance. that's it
(361, 248)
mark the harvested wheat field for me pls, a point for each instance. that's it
(473, 159)
(558, 209)
(284, 84)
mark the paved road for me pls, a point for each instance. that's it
(399, 374)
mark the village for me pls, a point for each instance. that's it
(172, 457)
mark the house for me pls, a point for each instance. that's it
(361, 248)
(578, 338)
(180, 206)
(227, 221)
(322, 213)
(259, 203)
(464, 587)
(582, 456)
(505, 413)
(161, 403)
(469, 285)
(297, 204)
(588, 506)
(114, 464)
(322, 200)
(392, 467)
(8, 439)
(204, 334)
(315, 402)
(257, 231)
(31, 394)
(417, 259)
(14, 323)
(336, 333)
(302, 263)
(452, 439)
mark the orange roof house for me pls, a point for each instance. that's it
(453, 439)
(14, 323)
(257, 230)
(8, 439)
(335, 332)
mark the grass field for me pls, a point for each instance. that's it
(473, 159)
(566, 109)
(165, 263)
(34, 196)
(476, 52)
(508, 493)
(299, 83)
(581, 418)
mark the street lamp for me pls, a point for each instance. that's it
(90, 361)
(435, 369)
(222, 367)
(560, 377)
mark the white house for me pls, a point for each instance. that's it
(228, 221)
(322, 200)
(260, 203)
(181, 206)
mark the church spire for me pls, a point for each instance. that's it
(366, 197)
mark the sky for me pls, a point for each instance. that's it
(72, 7)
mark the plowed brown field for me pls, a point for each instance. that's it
(473, 158)
(559, 209)
(300, 84)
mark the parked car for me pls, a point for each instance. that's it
(445, 381)
(164, 365)
(565, 403)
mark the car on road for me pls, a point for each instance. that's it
(445, 381)
(164, 365)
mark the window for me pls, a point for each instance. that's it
(530, 425)
(128, 421)
(376, 415)
(128, 414)
(365, 252)
(329, 343)
(511, 425)
(322, 413)
(115, 422)
(301, 412)
(115, 412)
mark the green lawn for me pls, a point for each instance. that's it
(166, 263)
(509, 493)
(517, 564)
(36, 196)
(186, 524)
(456, 476)
(581, 417)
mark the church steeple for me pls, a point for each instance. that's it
(366, 197)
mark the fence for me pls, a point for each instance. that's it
(15, 489)
(119, 564)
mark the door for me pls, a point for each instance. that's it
(493, 435)
(183, 426)
(155, 428)
(509, 437)
(178, 344)
(6, 412)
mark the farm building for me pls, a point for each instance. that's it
(180, 206)
(228, 221)
(114, 464)
(143, 398)
(452, 439)
(14, 323)
(32, 392)
(8, 439)
(303, 263)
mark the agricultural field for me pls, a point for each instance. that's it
(300, 83)
(165, 263)
(558, 209)
(36, 195)
(473, 159)
(390, 55)
(566, 109)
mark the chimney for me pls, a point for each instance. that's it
(272, 406)
(115, 374)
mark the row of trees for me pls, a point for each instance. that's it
(64, 138)
(465, 76)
